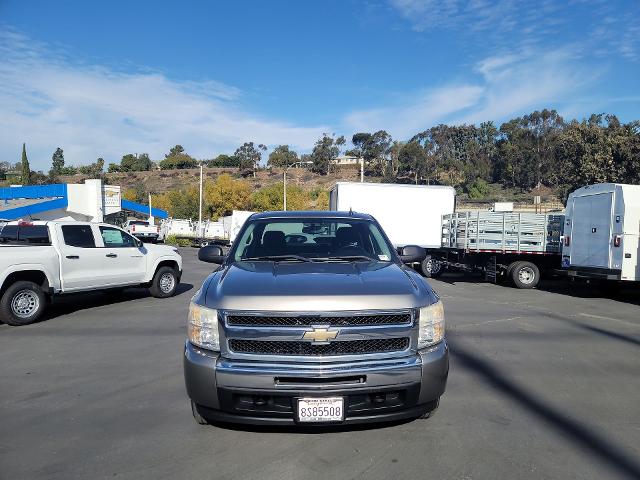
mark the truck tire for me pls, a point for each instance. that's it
(431, 268)
(164, 283)
(22, 303)
(525, 275)
(200, 420)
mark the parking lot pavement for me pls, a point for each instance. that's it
(543, 384)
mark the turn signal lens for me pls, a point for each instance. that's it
(431, 325)
(202, 328)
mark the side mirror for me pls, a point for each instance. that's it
(139, 243)
(211, 254)
(412, 254)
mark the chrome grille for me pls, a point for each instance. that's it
(349, 347)
(308, 320)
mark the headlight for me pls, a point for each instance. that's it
(431, 325)
(203, 327)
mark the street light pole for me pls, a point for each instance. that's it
(200, 206)
(284, 181)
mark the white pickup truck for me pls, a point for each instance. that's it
(142, 230)
(41, 259)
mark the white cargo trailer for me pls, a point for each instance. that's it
(602, 231)
(409, 214)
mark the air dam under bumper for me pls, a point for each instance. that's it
(262, 392)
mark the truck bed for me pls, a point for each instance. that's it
(502, 232)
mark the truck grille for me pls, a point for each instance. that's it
(307, 320)
(350, 347)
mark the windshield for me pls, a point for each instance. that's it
(139, 222)
(305, 239)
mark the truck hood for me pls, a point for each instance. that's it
(269, 286)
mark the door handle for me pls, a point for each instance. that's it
(73, 257)
(111, 255)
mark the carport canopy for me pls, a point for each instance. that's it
(143, 209)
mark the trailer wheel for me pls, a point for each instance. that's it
(431, 268)
(525, 274)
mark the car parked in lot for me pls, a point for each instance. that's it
(313, 318)
(41, 259)
(142, 229)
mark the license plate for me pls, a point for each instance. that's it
(321, 409)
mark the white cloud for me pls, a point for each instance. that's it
(508, 86)
(421, 111)
(47, 100)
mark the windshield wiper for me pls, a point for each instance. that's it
(344, 258)
(276, 258)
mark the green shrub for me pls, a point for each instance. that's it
(171, 240)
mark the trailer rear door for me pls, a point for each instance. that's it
(591, 231)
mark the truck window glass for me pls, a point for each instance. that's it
(114, 238)
(34, 234)
(313, 238)
(9, 234)
(78, 236)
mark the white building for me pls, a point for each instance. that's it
(90, 201)
(347, 160)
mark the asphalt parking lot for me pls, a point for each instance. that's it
(543, 384)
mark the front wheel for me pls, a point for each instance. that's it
(431, 268)
(164, 283)
(22, 303)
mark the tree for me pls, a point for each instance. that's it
(94, 170)
(225, 195)
(177, 159)
(282, 156)
(271, 198)
(57, 162)
(132, 162)
(223, 160)
(374, 149)
(26, 170)
(413, 160)
(324, 153)
(249, 157)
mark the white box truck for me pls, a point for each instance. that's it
(232, 224)
(409, 214)
(602, 231)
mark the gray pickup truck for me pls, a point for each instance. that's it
(313, 318)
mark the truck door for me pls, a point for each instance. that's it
(123, 260)
(80, 259)
(591, 230)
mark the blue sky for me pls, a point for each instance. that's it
(108, 78)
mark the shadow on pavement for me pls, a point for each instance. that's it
(575, 431)
(597, 330)
(66, 304)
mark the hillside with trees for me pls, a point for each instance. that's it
(539, 153)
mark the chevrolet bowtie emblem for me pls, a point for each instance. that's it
(320, 335)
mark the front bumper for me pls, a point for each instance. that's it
(261, 392)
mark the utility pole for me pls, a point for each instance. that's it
(284, 181)
(361, 170)
(200, 206)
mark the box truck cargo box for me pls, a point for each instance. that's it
(232, 224)
(409, 214)
(602, 227)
